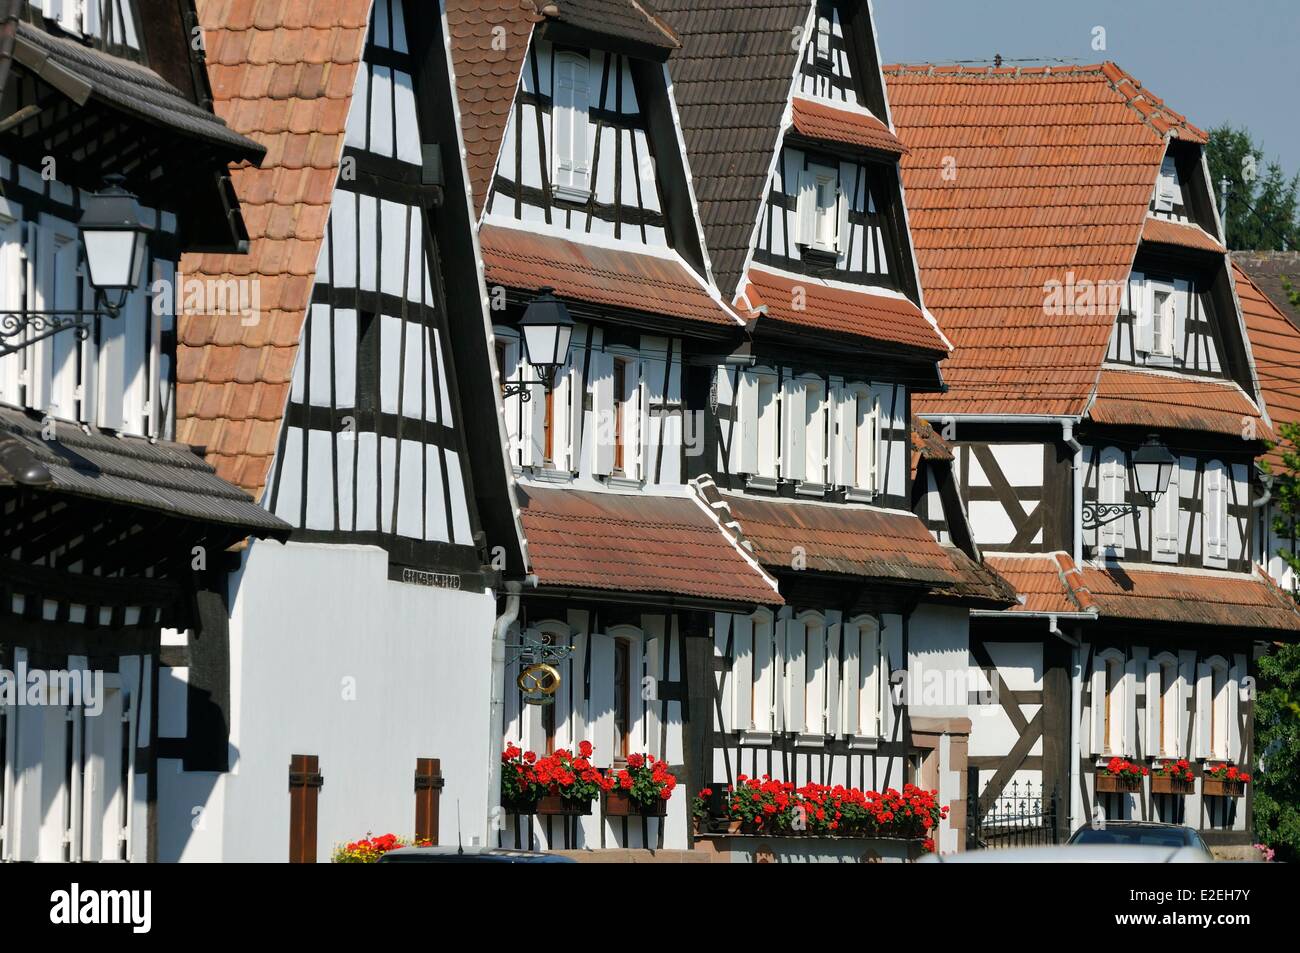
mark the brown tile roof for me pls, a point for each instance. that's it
(1164, 232)
(282, 73)
(1043, 582)
(621, 278)
(927, 442)
(1268, 270)
(635, 542)
(626, 19)
(815, 120)
(1054, 171)
(1140, 399)
(487, 74)
(1275, 343)
(862, 541)
(1237, 602)
(860, 313)
(731, 80)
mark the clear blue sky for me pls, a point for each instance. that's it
(1216, 61)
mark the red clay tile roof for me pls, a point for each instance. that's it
(860, 313)
(731, 80)
(1043, 582)
(1053, 171)
(1140, 399)
(927, 443)
(852, 127)
(862, 541)
(1275, 343)
(626, 542)
(621, 278)
(487, 74)
(1237, 602)
(282, 73)
(1165, 232)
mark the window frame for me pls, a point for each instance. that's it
(579, 186)
(813, 218)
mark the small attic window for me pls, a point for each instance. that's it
(821, 208)
(1168, 193)
(571, 169)
(822, 47)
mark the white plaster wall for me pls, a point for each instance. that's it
(939, 653)
(311, 623)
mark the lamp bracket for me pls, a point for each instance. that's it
(28, 327)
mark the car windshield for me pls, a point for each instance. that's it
(1150, 836)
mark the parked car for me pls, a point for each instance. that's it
(470, 855)
(1076, 854)
(1140, 834)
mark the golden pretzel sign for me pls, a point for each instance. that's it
(539, 679)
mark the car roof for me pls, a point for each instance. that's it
(1076, 854)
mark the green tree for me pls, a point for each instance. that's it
(1277, 699)
(1262, 201)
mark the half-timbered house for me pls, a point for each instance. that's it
(351, 659)
(1075, 258)
(113, 528)
(809, 444)
(580, 187)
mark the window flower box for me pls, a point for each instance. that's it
(1120, 776)
(1224, 780)
(562, 783)
(640, 789)
(1173, 777)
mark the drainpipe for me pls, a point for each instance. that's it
(496, 720)
(1076, 475)
(1076, 712)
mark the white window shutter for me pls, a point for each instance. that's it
(780, 661)
(1140, 300)
(600, 711)
(851, 685)
(762, 664)
(834, 428)
(796, 673)
(1235, 673)
(11, 284)
(794, 427)
(1215, 513)
(602, 376)
(807, 209)
(1166, 518)
(871, 678)
(832, 679)
(1098, 733)
(1204, 704)
(578, 433)
(744, 434)
(842, 223)
(1186, 685)
(569, 123)
(815, 679)
(1154, 742)
(1111, 485)
(1182, 300)
(742, 671)
(869, 445)
(534, 412)
(1128, 734)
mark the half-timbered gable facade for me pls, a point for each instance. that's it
(810, 440)
(581, 189)
(1063, 370)
(112, 531)
(341, 409)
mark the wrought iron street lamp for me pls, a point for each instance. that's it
(546, 329)
(115, 239)
(1153, 467)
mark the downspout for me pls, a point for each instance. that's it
(496, 719)
(1076, 476)
(1076, 712)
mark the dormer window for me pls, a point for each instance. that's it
(1168, 192)
(571, 169)
(1162, 320)
(821, 207)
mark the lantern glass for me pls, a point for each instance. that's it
(1154, 465)
(547, 330)
(115, 237)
